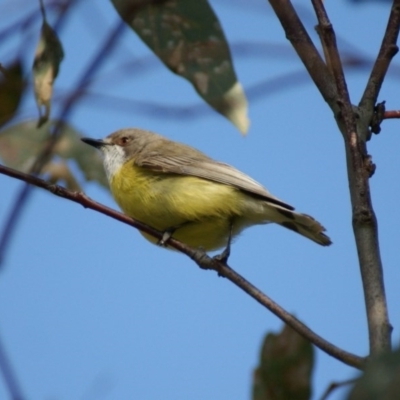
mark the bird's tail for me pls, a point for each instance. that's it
(303, 224)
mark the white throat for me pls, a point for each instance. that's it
(113, 159)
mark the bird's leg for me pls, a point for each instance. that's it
(223, 257)
(167, 234)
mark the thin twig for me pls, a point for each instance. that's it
(328, 38)
(202, 260)
(386, 53)
(302, 43)
(42, 10)
(23, 196)
(364, 220)
(335, 385)
(10, 379)
(391, 114)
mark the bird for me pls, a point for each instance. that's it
(187, 195)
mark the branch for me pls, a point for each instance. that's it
(201, 259)
(10, 378)
(391, 114)
(365, 225)
(302, 43)
(386, 53)
(335, 385)
(328, 39)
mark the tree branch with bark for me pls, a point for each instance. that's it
(354, 124)
(201, 259)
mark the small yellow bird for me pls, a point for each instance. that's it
(180, 191)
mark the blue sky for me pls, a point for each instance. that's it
(90, 310)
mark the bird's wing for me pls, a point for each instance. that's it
(194, 163)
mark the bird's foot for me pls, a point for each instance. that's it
(167, 234)
(223, 257)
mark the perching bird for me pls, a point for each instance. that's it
(180, 191)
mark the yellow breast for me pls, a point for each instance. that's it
(201, 209)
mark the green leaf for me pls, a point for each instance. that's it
(285, 369)
(381, 379)
(21, 144)
(187, 37)
(48, 57)
(12, 86)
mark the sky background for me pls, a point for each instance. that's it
(90, 310)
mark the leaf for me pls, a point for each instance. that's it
(88, 159)
(59, 171)
(48, 57)
(21, 144)
(188, 38)
(285, 369)
(12, 86)
(381, 379)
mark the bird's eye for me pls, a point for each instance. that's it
(124, 140)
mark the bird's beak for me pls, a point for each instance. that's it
(98, 143)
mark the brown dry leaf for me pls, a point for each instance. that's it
(48, 57)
